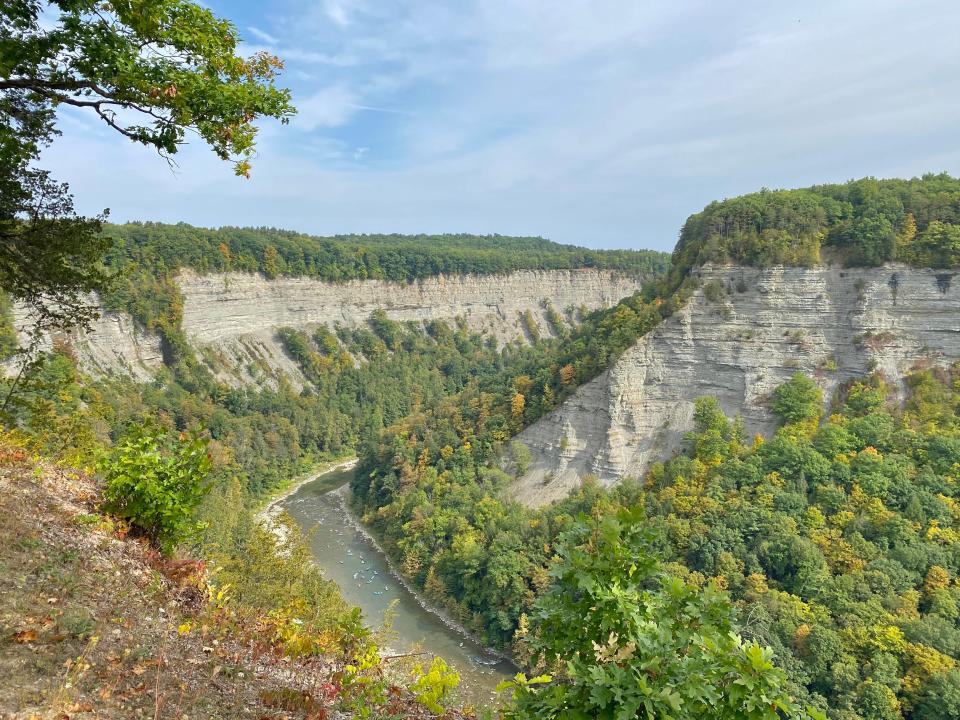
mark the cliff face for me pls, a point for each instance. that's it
(231, 319)
(743, 333)
(114, 346)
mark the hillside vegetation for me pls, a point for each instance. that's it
(401, 258)
(810, 573)
(863, 223)
(144, 258)
(837, 539)
(95, 623)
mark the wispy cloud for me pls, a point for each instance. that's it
(337, 11)
(262, 36)
(327, 108)
(599, 122)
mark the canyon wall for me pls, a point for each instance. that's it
(744, 332)
(231, 319)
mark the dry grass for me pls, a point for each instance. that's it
(94, 624)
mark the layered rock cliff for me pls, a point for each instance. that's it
(744, 332)
(113, 346)
(231, 319)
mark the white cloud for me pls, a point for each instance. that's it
(314, 57)
(591, 121)
(262, 36)
(327, 108)
(337, 11)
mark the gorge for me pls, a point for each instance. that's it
(769, 424)
(743, 333)
(231, 319)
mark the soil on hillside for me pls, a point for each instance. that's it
(97, 625)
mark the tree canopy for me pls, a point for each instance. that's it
(624, 639)
(863, 222)
(152, 71)
(164, 248)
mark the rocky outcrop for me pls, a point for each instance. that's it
(220, 307)
(114, 346)
(743, 333)
(231, 319)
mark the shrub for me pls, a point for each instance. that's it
(797, 399)
(155, 481)
(521, 456)
(714, 291)
(9, 342)
(531, 326)
(433, 686)
(621, 638)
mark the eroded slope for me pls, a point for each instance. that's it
(231, 319)
(745, 331)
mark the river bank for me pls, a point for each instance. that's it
(347, 554)
(273, 501)
(341, 494)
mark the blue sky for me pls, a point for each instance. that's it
(599, 122)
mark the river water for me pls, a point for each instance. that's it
(350, 559)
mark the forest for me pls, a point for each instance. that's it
(836, 537)
(861, 223)
(400, 258)
(829, 548)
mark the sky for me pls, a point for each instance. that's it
(602, 123)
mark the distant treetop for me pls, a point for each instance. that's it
(402, 258)
(860, 223)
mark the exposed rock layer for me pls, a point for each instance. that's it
(231, 319)
(760, 327)
(219, 307)
(234, 317)
(113, 347)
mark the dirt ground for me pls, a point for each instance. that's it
(96, 625)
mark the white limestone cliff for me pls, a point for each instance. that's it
(231, 319)
(759, 328)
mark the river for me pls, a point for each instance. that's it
(350, 559)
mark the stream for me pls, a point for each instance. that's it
(348, 557)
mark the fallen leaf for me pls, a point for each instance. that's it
(25, 636)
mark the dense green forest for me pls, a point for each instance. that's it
(829, 548)
(838, 536)
(863, 222)
(837, 539)
(401, 258)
